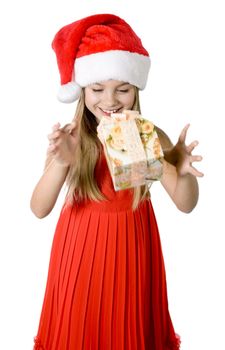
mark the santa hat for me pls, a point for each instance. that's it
(95, 49)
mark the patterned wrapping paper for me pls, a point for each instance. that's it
(132, 148)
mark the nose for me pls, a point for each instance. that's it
(110, 99)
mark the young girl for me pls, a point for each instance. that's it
(106, 286)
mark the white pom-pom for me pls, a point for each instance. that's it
(69, 92)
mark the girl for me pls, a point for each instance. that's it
(106, 286)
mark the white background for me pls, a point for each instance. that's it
(186, 84)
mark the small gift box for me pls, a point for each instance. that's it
(132, 148)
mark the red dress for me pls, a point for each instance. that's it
(106, 286)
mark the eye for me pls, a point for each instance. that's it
(97, 90)
(123, 90)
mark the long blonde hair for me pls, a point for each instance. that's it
(80, 179)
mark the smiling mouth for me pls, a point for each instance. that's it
(110, 111)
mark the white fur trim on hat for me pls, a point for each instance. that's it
(114, 64)
(69, 92)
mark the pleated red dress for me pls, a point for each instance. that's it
(106, 286)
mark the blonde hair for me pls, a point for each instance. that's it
(80, 178)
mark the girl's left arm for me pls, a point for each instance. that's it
(179, 176)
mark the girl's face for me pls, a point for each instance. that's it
(111, 96)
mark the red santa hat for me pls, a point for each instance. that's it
(95, 49)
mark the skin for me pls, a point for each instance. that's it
(179, 176)
(112, 95)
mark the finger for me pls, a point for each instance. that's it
(50, 137)
(74, 129)
(195, 172)
(195, 159)
(183, 134)
(49, 153)
(51, 149)
(73, 125)
(68, 128)
(56, 126)
(192, 146)
(54, 135)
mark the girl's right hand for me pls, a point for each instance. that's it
(62, 143)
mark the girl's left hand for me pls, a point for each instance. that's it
(181, 156)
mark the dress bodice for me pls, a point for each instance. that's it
(115, 200)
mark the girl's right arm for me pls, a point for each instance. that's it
(47, 189)
(63, 143)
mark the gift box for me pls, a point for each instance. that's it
(132, 149)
